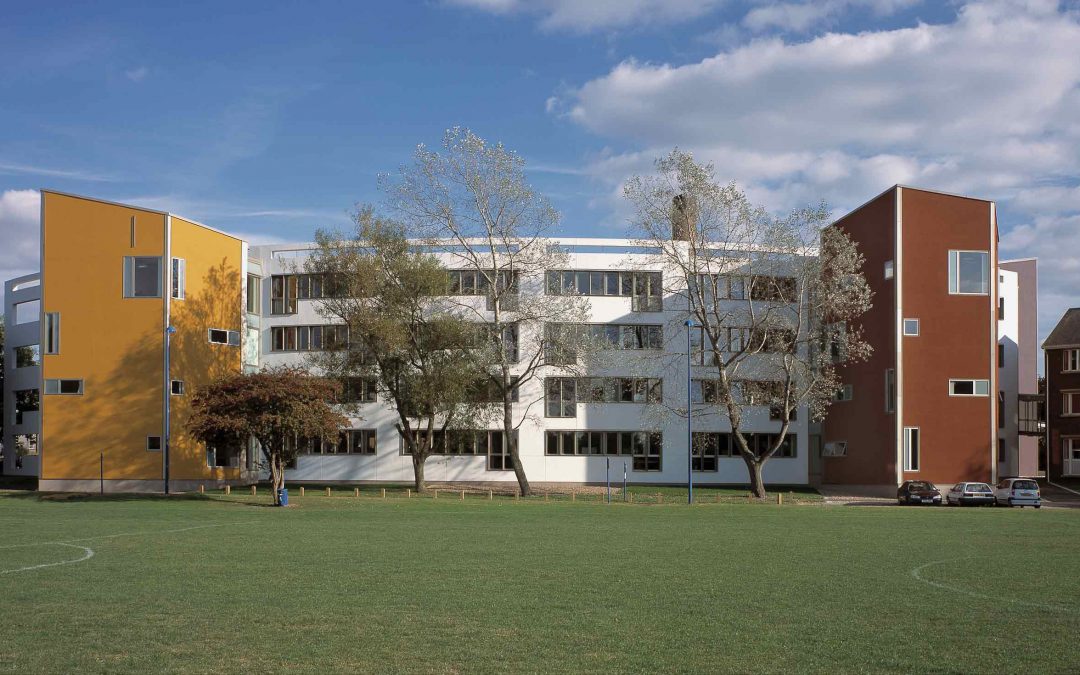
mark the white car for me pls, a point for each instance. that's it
(1017, 492)
(962, 494)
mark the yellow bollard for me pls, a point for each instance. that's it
(384, 493)
(228, 489)
(780, 498)
(408, 492)
(462, 495)
(659, 498)
(301, 490)
(434, 494)
(631, 495)
(327, 492)
(202, 489)
(356, 492)
(573, 495)
(252, 490)
(490, 496)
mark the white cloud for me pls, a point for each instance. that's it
(20, 247)
(583, 16)
(137, 74)
(984, 105)
(799, 17)
(12, 168)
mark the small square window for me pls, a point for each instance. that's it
(153, 443)
(889, 269)
(177, 387)
(911, 326)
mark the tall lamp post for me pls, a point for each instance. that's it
(689, 419)
(168, 400)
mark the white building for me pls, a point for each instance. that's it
(633, 435)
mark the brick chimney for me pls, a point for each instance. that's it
(683, 217)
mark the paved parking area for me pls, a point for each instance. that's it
(1053, 496)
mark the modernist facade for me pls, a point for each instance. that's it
(925, 405)
(104, 382)
(108, 376)
(1061, 350)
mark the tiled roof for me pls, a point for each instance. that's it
(1067, 332)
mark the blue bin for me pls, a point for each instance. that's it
(283, 496)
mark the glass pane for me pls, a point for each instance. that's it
(973, 272)
(147, 277)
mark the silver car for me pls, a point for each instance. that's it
(963, 494)
(1018, 492)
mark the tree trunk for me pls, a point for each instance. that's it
(277, 476)
(418, 461)
(757, 485)
(511, 444)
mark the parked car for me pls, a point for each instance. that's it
(917, 492)
(1018, 492)
(969, 493)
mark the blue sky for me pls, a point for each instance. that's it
(273, 121)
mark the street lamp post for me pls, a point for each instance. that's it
(168, 401)
(689, 419)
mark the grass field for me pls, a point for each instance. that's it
(343, 584)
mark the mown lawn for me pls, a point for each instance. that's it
(405, 585)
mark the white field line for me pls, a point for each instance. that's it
(917, 573)
(89, 552)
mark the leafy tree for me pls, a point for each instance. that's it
(276, 407)
(776, 300)
(472, 204)
(429, 362)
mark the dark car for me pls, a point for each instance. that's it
(918, 492)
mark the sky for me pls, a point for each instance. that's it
(270, 120)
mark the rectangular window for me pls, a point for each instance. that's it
(363, 441)
(911, 448)
(360, 390)
(1001, 410)
(179, 278)
(1070, 360)
(142, 276)
(911, 326)
(889, 269)
(153, 443)
(969, 272)
(26, 400)
(26, 312)
(330, 337)
(283, 294)
(254, 286)
(559, 338)
(220, 336)
(645, 289)
(562, 394)
(65, 387)
(1001, 309)
(176, 388)
(26, 445)
(52, 333)
(1070, 403)
(1001, 356)
(845, 393)
(223, 456)
(969, 387)
(645, 448)
(27, 356)
(890, 391)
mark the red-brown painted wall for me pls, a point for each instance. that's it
(862, 421)
(958, 336)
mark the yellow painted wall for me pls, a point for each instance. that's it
(213, 299)
(115, 345)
